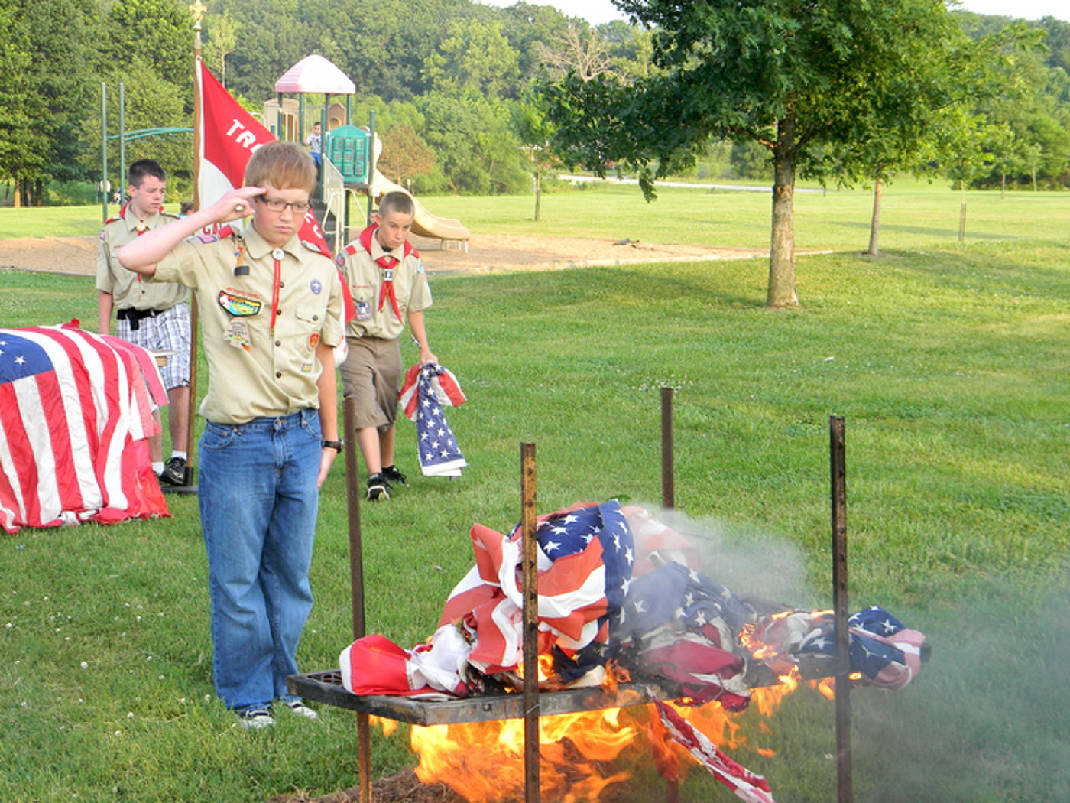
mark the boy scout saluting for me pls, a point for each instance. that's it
(154, 316)
(272, 313)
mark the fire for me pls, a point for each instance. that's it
(485, 761)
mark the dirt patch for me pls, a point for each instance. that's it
(485, 253)
(402, 786)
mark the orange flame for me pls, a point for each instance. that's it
(485, 761)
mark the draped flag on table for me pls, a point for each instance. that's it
(228, 137)
(424, 392)
(75, 412)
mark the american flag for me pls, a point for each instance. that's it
(75, 409)
(424, 392)
(887, 653)
(584, 562)
(746, 785)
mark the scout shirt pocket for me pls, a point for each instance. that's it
(296, 338)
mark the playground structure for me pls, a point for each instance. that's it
(350, 153)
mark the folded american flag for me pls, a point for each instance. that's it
(75, 410)
(424, 392)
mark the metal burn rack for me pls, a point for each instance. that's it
(326, 686)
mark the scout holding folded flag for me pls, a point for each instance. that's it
(387, 281)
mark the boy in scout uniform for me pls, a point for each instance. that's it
(389, 286)
(271, 309)
(153, 315)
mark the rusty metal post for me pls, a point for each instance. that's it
(529, 575)
(667, 489)
(356, 579)
(668, 502)
(838, 471)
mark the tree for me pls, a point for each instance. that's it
(474, 57)
(405, 154)
(791, 76)
(40, 104)
(536, 134)
(221, 37)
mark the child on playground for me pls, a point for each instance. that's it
(271, 311)
(388, 284)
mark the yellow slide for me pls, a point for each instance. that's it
(424, 223)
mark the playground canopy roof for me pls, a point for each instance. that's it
(315, 74)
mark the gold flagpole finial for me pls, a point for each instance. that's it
(197, 9)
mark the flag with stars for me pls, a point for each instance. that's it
(424, 392)
(680, 625)
(879, 646)
(75, 412)
(584, 561)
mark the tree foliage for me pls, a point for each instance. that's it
(457, 72)
(794, 76)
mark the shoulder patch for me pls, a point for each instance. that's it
(207, 238)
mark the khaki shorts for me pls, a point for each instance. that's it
(371, 376)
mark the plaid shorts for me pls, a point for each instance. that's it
(169, 331)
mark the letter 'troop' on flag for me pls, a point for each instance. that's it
(229, 136)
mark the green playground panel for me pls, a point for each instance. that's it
(347, 148)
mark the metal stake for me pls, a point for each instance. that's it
(356, 572)
(667, 490)
(529, 575)
(837, 465)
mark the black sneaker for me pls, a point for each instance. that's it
(377, 488)
(174, 473)
(393, 476)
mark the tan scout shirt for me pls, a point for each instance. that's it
(254, 371)
(365, 280)
(123, 285)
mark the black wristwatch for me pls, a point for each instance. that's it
(336, 445)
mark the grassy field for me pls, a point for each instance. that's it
(948, 362)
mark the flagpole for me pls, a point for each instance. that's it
(197, 9)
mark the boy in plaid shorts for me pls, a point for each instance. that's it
(154, 316)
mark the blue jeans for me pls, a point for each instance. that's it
(258, 501)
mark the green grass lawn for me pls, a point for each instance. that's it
(948, 362)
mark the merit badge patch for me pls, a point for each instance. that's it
(315, 286)
(235, 302)
(313, 340)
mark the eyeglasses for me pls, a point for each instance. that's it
(275, 205)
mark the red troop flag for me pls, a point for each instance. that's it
(229, 135)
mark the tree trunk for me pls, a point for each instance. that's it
(875, 220)
(16, 200)
(1002, 186)
(962, 211)
(781, 291)
(538, 194)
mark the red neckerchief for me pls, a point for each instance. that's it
(387, 263)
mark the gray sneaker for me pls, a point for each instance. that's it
(299, 709)
(256, 719)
